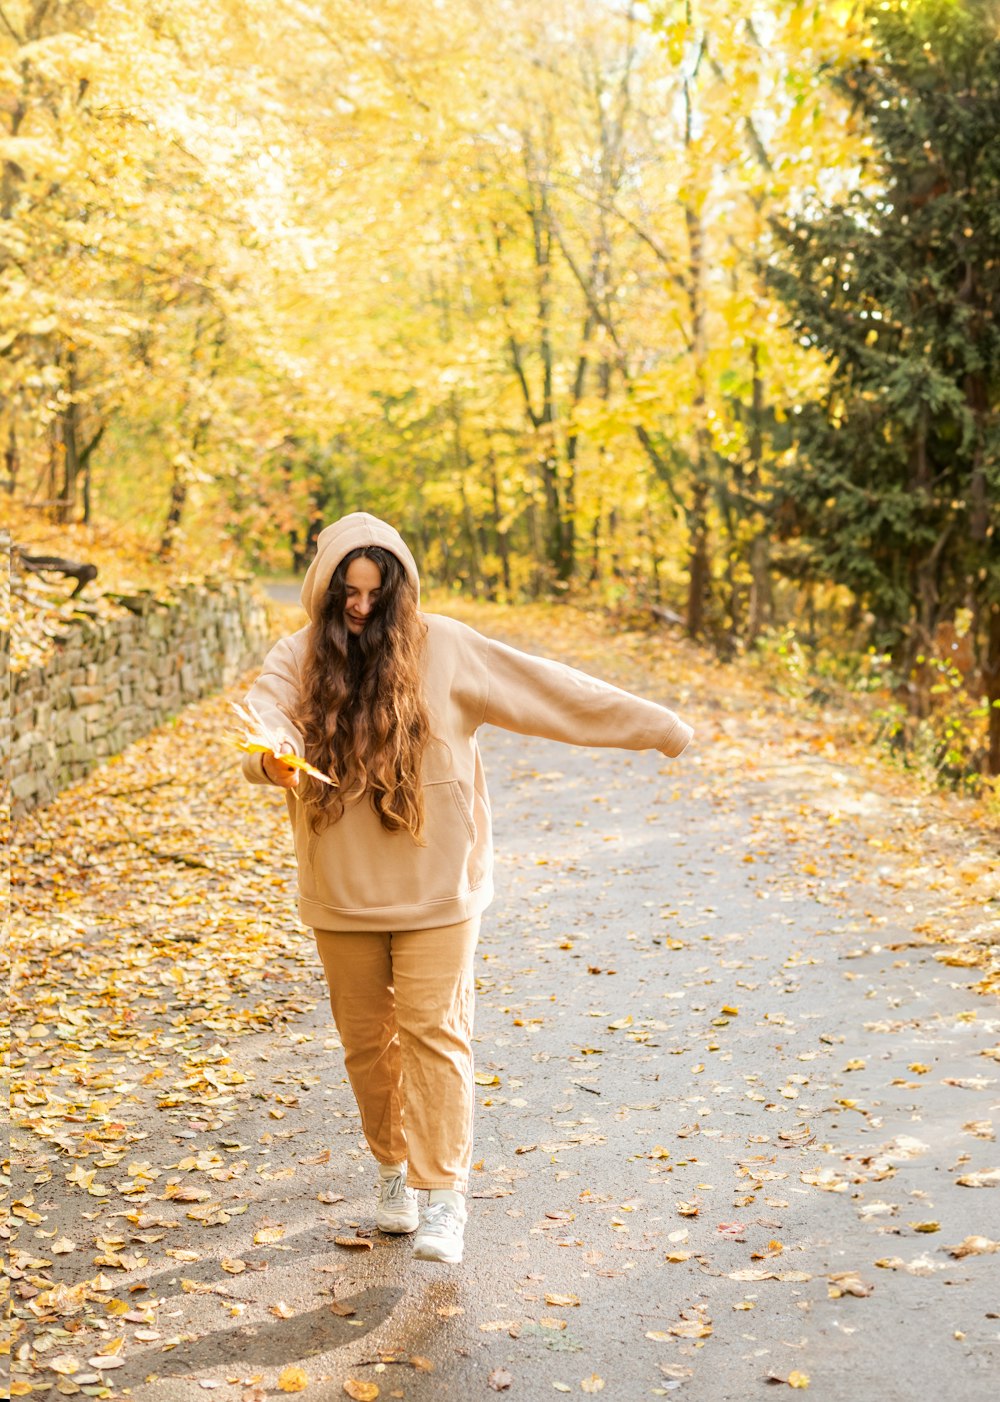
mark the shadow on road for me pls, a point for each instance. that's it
(273, 1345)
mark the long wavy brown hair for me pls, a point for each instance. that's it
(361, 710)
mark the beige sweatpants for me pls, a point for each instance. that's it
(403, 1004)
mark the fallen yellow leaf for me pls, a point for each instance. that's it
(984, 1178)
(361, 1391)
(973, 1246)
(691, 1329)
(64, 1363)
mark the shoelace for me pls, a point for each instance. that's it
(440, 1219)
(395, 1190)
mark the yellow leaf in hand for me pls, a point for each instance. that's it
(260, 739)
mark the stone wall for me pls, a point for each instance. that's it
(113, 681)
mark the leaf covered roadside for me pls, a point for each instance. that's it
(153, 916)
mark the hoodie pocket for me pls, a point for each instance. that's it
(465, 812)
(354, 864)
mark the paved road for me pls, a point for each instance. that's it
(283, 593)
(714, 1090)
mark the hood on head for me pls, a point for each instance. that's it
(339, 539)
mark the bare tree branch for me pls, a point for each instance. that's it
(19, 38)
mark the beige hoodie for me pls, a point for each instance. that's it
(354, 875)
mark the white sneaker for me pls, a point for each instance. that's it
(397, 1209)
(440, 1234)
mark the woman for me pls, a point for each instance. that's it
(395, 861)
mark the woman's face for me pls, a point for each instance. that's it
(364, 584)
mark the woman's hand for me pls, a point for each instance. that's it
(280, 773)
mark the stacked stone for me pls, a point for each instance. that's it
(111, 682)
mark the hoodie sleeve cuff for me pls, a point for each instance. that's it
(676, 740)
(253, 769)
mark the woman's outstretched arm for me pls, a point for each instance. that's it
(274, 695)
(535, 696)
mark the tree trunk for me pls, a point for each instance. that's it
(460, 460)
(70, 463)
(761, 605)
(54, 463)
(699, 571)
(654, 567)
(184, 462)
(499, 529)
(86, 491)
(12, 461)
(85, 458)
(567, 544)
(12, 172)
(595, 542)
(541, 229)
(734, 588)
(286, 467)
(469, 521)
(538, 572)
(178, 499)
(567, 554)
(616, 564)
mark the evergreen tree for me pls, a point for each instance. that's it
(895, 491)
